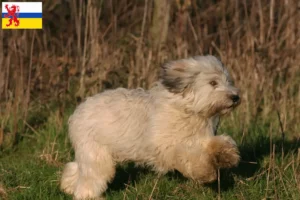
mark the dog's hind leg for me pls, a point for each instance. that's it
(95, 169)
(69, 177)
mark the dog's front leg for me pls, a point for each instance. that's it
(223, 151)
(193, 162)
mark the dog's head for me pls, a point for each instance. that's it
(203, 84)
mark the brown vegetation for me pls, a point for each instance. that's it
(88, 46)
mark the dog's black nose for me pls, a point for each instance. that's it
(235, 98)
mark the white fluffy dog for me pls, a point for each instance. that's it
(170, 127)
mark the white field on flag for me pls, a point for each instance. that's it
(25, 7)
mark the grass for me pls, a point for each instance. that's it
(31, 170)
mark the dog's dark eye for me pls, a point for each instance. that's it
(213, 83)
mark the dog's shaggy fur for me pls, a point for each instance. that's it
(170, 127)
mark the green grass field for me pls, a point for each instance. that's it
(31, 169)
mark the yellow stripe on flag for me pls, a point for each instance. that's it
(25, 23)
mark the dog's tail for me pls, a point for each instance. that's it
(69, 177)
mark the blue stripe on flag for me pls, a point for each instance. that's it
(27, 15)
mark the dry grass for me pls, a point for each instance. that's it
(3, 193)
(88, 46)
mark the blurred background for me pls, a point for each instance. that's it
(89, 46)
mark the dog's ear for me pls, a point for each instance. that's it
(176, 76)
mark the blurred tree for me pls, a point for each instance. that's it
(182, 15)
(160, 22)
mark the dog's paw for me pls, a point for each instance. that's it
(224, 152)
(87, 190)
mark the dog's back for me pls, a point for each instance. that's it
(115, 118)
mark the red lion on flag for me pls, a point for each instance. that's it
(12, 13)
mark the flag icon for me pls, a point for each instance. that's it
(22, 15)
